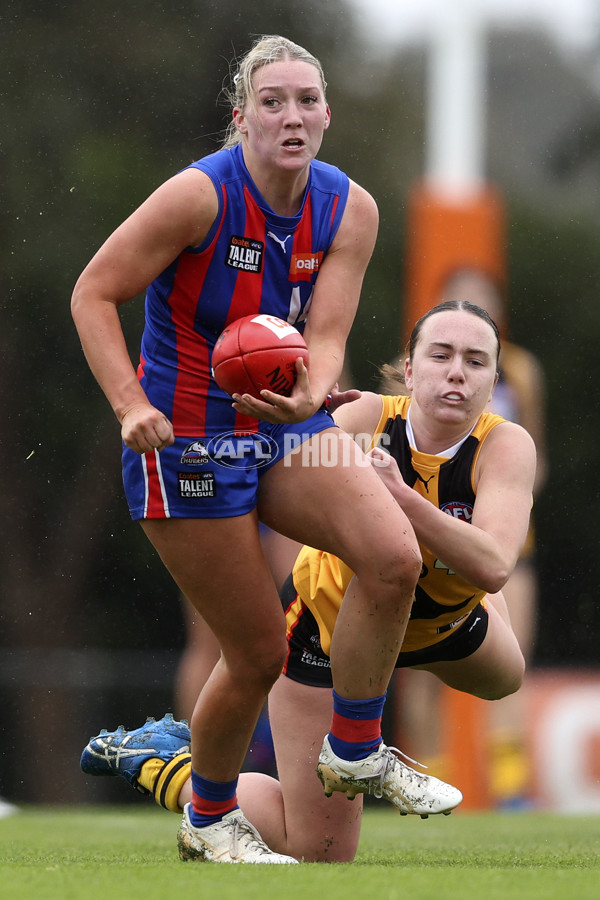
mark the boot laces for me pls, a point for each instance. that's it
(388, 761)
(245, 836)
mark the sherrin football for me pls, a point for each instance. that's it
(257, 353)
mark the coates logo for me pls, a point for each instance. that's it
(459, 510)
(304, 264)
(249, 451)
(195, 454)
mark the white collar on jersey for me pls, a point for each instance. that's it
(448, 454)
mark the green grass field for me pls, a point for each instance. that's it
(80, 853)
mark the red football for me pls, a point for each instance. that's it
(257, 353)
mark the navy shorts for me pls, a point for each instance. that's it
(307, 664)
(201, 477)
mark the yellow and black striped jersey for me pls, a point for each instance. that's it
(442, 598)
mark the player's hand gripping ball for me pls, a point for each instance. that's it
(257, 353)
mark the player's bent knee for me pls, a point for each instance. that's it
(395, 571)
(259, 665)
(503, 687)
(267, 666)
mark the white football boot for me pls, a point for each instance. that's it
(231, 840)
(382, 774)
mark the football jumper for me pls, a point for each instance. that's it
(443, 600)
(252, 261)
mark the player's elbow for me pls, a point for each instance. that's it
(493, 575)
(78, 300)
(495, 584)
(75, 301)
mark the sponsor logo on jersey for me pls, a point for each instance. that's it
(195, 454)
(245, 254)
(247, 450)
(281, 241)
(459, 510)
(196, 485)
(425, 481)
(305, 264)
(473, 624)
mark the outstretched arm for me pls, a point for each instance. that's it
(484, 551)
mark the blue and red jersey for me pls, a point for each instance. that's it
(252, 261)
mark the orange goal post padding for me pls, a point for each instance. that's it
(446, 233)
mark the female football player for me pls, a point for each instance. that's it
(312, 232)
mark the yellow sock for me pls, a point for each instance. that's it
(164, 780)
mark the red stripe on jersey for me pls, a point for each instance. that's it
(193, 357)
(356, 731)
(247, 294)
(303, 242)
(192, 350)
(334, 207)
(156, 505)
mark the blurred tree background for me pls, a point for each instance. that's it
(100, 103)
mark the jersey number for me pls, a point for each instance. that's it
(438, 564)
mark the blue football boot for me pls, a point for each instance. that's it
(124, 752)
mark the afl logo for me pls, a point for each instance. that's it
(250, 451)
(459, 510)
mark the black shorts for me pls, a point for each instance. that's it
(307, 664)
